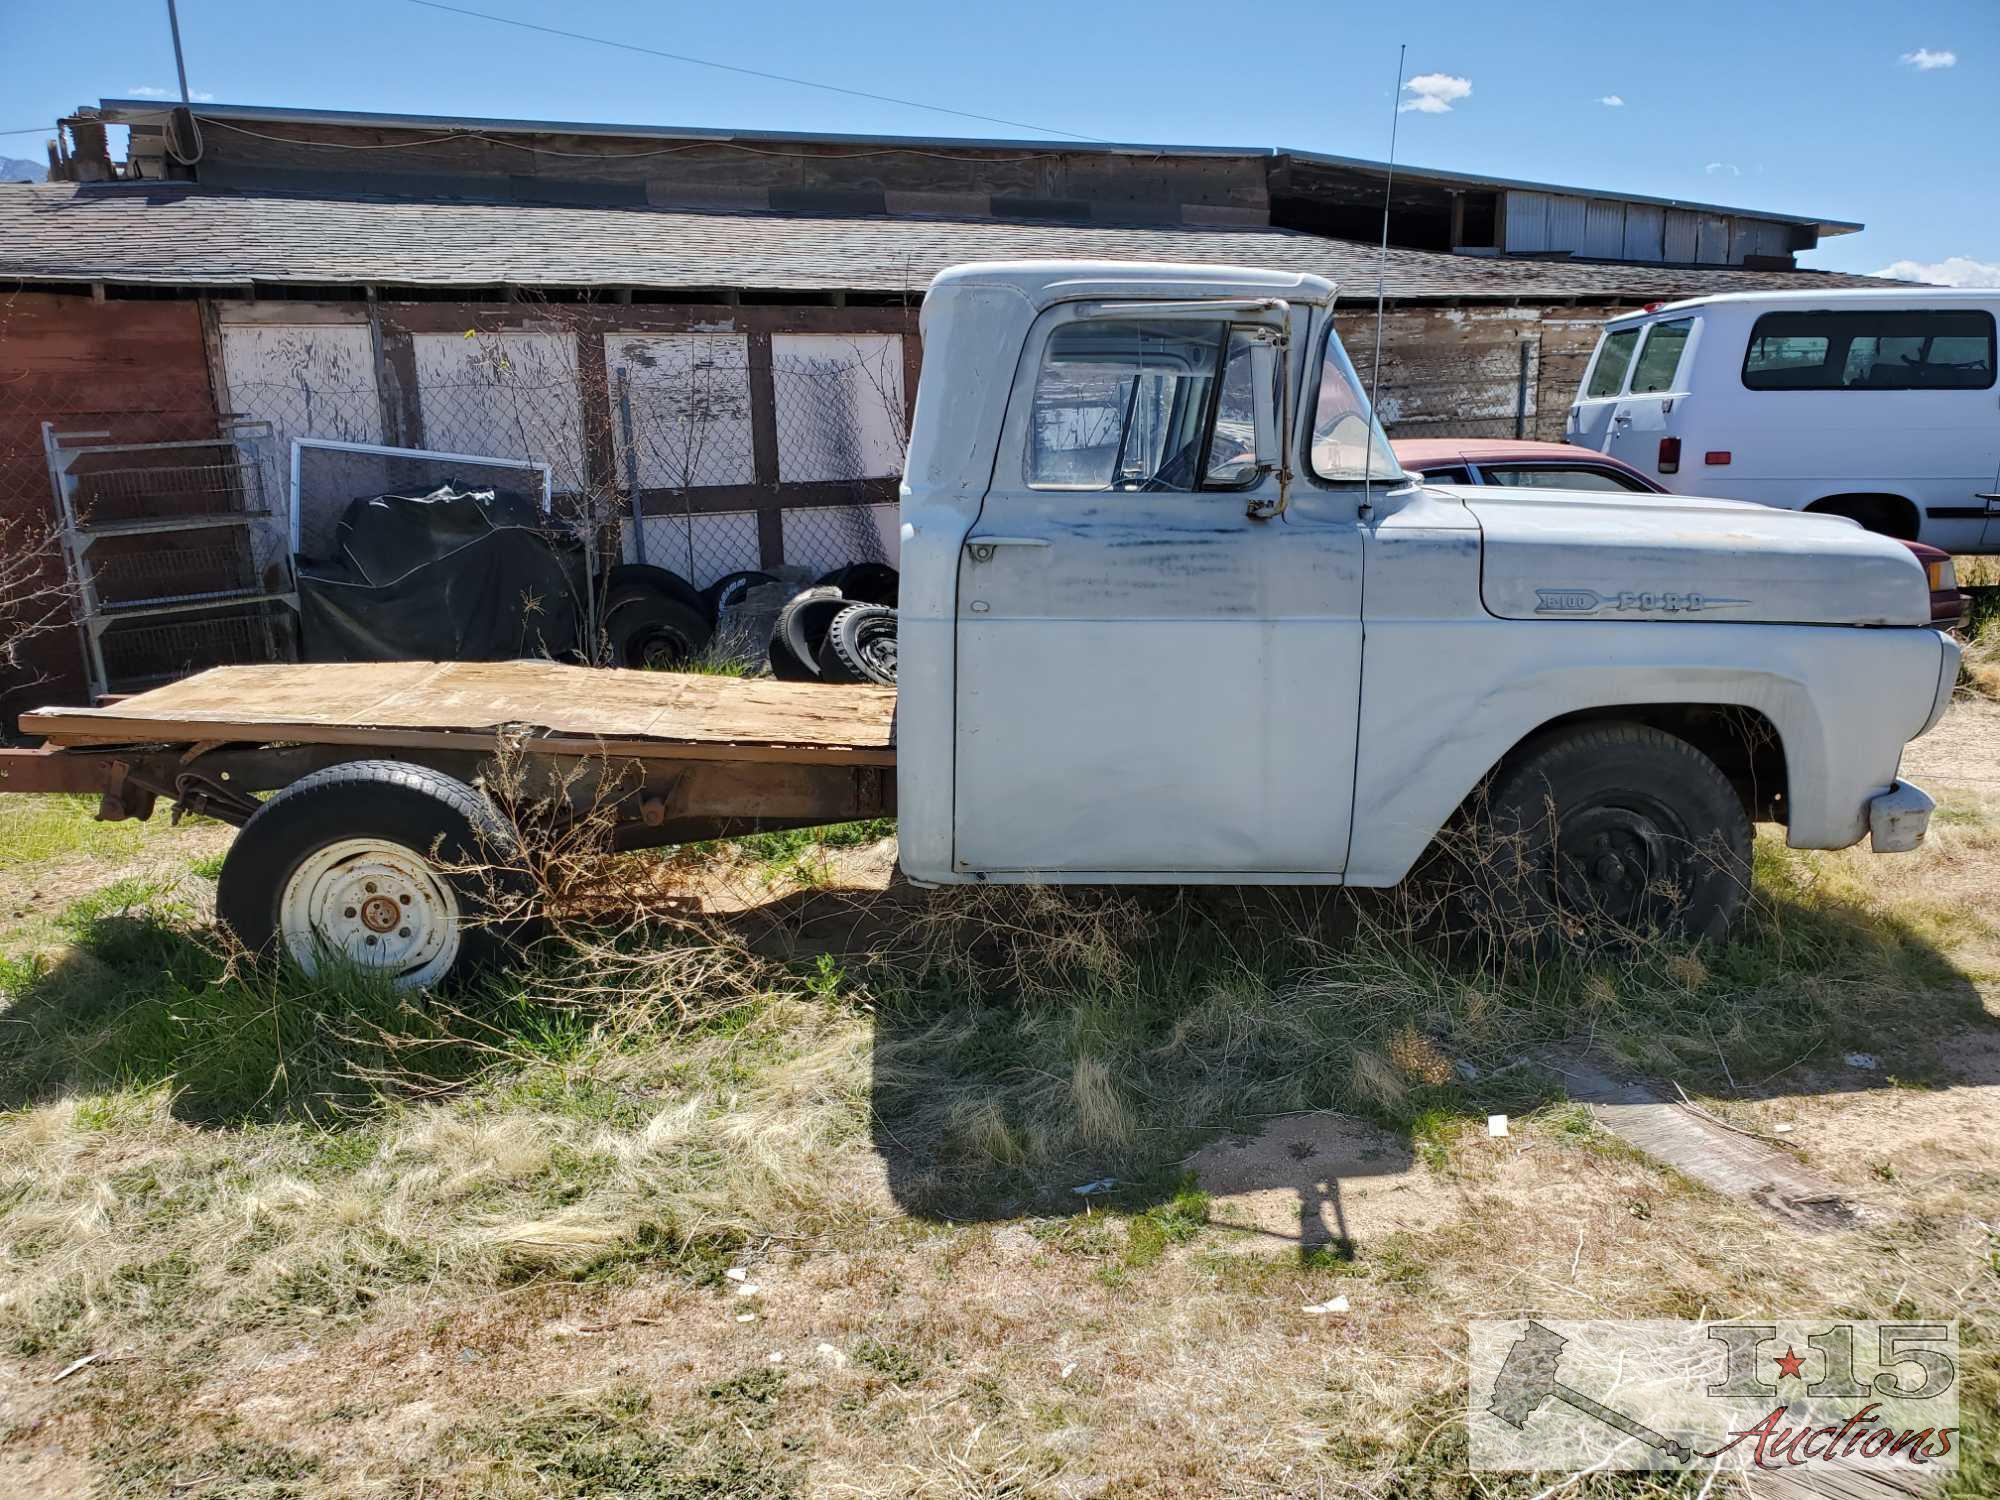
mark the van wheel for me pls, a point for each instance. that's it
(1888, 515)
(395, 868)
(1610, 833)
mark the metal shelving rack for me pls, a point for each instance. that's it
(178, 557)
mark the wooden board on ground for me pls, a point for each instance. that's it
(470, 705)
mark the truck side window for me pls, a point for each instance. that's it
(1614, 358)
(1885, 349)
(1661, 356)
(1133, 406)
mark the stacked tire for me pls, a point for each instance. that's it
(842, 629)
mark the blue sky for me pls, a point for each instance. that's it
(1851, 109)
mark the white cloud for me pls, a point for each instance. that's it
(1953, 270)
(1723, 169)
(1434, 93)
(1613, 101)
(149, 91)
(1924, 60)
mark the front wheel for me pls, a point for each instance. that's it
(1613, 833)
(394, 868)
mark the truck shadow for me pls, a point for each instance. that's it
(1304, 1069)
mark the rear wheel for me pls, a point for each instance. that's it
(1613, 832)
(395, 868)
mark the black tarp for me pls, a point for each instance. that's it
(454, 575)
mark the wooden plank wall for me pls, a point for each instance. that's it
(139, 369)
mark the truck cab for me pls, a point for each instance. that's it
(1171, 612)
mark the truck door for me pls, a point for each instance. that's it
(1646, 413)
(1150, 679)
(1590, 413)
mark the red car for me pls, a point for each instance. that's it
(1559, 466)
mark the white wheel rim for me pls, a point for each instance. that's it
(378, 905)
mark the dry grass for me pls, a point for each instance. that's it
(480, 1249)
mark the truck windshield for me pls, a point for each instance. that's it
(1347, 442)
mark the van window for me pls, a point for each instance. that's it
(1614, 358)
(1131, 405)
(1866, 350)
(1661, 356)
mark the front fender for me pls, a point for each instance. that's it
(1443, 701)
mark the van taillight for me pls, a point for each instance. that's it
(1670, 455)
(1716, 456)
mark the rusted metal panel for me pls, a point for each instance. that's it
(1527, 219)
(1711, 239)
(1603, 230)
(1758, 237)
(1645, 232)
(1568, 222)
(1681, 229)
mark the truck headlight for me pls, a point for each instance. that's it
(1943, 576)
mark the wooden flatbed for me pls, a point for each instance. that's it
(550, 708)
(405, 798)
(684, 756)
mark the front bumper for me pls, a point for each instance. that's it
(1898, 819)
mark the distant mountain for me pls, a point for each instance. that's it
(19, 169)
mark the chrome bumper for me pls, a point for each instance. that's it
(1898, 818)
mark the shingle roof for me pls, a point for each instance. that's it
(163, 233)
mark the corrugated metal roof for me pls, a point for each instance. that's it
(168, 234)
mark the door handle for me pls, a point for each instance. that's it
(982, 547)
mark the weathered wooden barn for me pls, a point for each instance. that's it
(721, 326)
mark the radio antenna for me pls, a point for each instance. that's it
(1381, 274)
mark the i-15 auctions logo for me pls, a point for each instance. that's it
(1785, 1394)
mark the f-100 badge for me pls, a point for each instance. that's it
(1589, 602)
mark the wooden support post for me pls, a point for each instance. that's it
(764, 451)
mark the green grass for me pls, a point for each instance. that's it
(34, 830)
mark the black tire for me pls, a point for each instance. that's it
(731, 587)
(445, 825)
(650, 575)
(860, 646)
(647, 629)
(801, 626)
(1607, 833)
(866, 583)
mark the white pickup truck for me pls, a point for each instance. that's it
(1170, 613)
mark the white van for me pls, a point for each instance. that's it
(1875, 404)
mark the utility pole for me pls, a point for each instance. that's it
(180, 66)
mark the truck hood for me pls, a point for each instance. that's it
(1584, 554)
